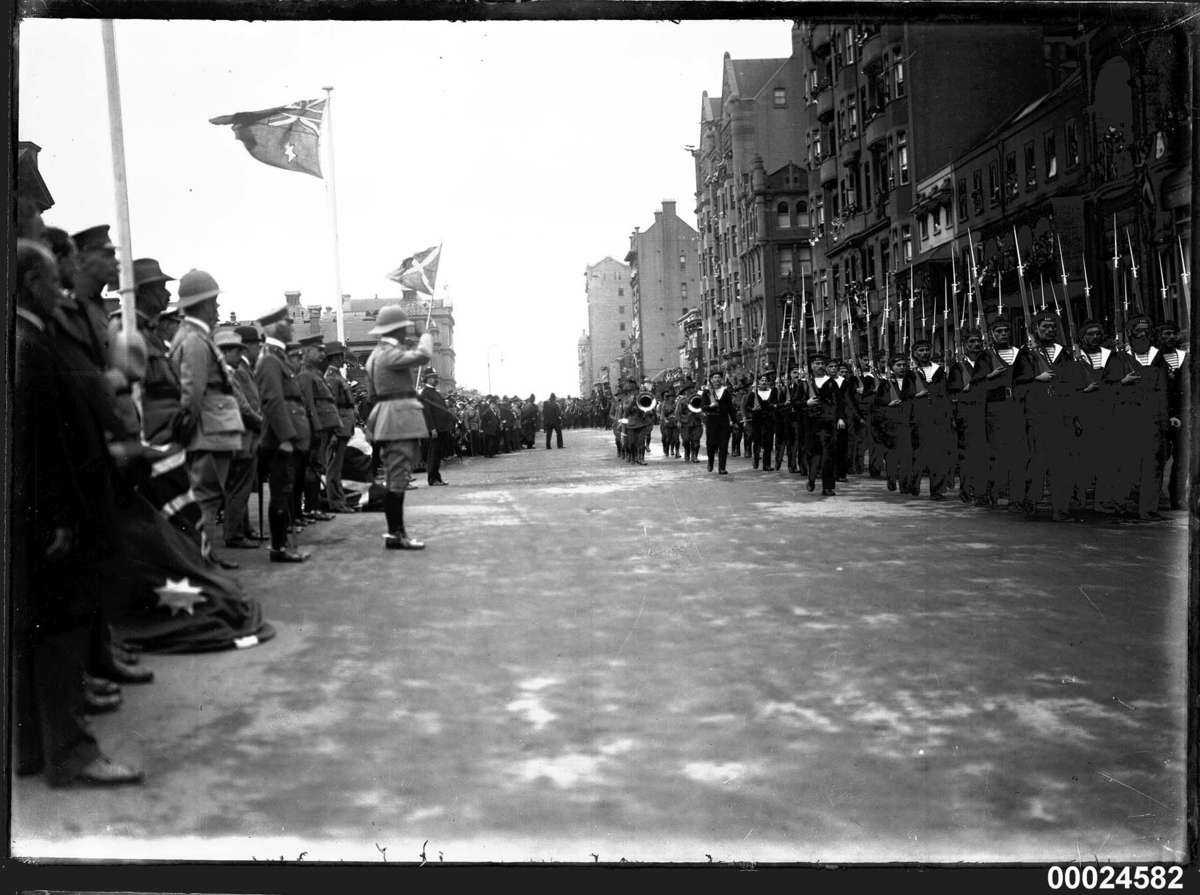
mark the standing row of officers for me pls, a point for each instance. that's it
(1094, 427)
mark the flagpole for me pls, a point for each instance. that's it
(120, 185)
(331, 188)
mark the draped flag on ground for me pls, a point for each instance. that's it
(419, 271)
(286, 137)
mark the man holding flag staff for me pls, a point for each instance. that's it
(397, 420)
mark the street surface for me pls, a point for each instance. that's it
(594, 660)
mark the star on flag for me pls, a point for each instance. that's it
(418, 272)
(179, 596)
(285, 137)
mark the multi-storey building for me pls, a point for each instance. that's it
(664, 277)
(752, 212)
(584, 361)
(892, 105)
(610, 319)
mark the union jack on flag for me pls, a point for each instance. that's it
(418, 272)
(286, 137)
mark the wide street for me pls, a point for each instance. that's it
(597, 659)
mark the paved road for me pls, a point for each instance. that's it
(655, 663)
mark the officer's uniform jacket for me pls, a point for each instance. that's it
(397, 414)
(206, 390)
(323, 407)
(250, 404)
(279, 393)
(437, 414)
(343, 400)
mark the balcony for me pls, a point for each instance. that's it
(872, 52)
(876, 132)
(829, 170)
(851, 153)
(825, 101)
(821, 36)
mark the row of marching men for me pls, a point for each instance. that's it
(1093, 428)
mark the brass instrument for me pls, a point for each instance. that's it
(646, 402)
(695, 404)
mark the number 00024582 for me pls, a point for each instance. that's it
(1107, 876)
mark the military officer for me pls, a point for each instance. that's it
(343, 400)
(825, 416)
(719, 417)
(281, 400)
(244, 465)
(207, 401)
(396, 422)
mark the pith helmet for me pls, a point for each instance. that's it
(391, 318)
(196, 286)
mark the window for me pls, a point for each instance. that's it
(820, 228)
(851, 188)
(888, 163)
(924, 227)
(620, 290)
(622, 343)
(620, 309)
(962, 198)
(906, 242)
(937, 220)
(869, 264)
(817, 145)
(780, 96)
(849, 39)
(1050, 154)
(885, 258)
(841, 119)
(866, 176)
(622, 327)
(683, 291)
(682, 261)
(899, 78)
(1072, 144)
(993, 183)
(838, 58)
(783, 218)
(852, 117)
(902, 155)
(786, 261)
(1011, 183)
(1030, 166)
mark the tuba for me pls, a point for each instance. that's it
(646, 402)
(695, 403)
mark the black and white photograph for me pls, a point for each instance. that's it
(534, 434)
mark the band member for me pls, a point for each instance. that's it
(893, 421)
(759, 411)
(1004, 424)
(282, 407)
(669, 424)
(931, 417)
(1046, 379)
(397, 421)
(825, 416)
(639, 419)
(739, 429)
(968, 409)
(719, 417)
(691, 422)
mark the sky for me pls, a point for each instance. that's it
(528, 149)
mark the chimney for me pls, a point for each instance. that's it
(293, 298)
(669, 208)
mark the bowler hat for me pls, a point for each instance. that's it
(391, 318)
(196, 286)
(249, 334)
(228, 338)
(273, 316)
(146, 271)
(332, 348)
(92, 239)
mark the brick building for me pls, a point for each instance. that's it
(610, 319)
(752, 212)
(663, 278)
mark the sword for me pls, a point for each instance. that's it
(1087, 288)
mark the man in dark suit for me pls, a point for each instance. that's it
(719, 417)
(825, 417)
(280, 397)
(63, 525)
(552, 420)
(439, 421)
